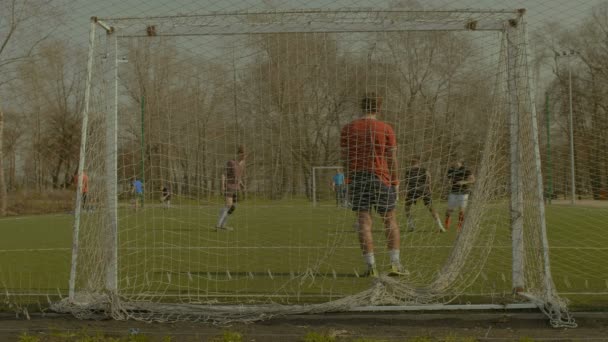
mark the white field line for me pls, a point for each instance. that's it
(65, 249)
(160, 294)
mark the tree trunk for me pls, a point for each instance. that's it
(2, 184)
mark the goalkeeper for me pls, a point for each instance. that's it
(460, 179)
(232, 183)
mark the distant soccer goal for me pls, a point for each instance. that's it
(236, 113)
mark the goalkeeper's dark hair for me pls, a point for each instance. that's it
(370, 103)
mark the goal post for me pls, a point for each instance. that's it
(299, 75)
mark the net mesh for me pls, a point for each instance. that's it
(186, 91)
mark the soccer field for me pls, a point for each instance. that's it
(289, 253)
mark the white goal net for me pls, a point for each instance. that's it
(170, 100)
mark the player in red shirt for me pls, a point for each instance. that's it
(369, 150)
(232, 184)
(85, 187)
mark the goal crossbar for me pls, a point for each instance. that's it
(314, 21)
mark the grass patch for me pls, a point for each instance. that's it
(286, 252)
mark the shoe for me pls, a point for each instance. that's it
(397, 271)
(228, 229)
(371, 272)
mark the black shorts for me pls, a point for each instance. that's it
(411, 197)
(233, 194)
(367, 191)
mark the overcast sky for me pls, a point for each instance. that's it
(74, 25)
(568, 12)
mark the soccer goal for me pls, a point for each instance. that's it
(169, 100)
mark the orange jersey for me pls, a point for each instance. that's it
(366, 144)
(85, 182)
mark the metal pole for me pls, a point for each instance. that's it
(516, 200)
(571, 128)
(314, 187)
(83, 144)
(143, 144)
(559, 317)
(234, 97)
(549, 163)
(111, 179)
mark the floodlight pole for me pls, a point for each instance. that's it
(571, 128)
(570, 54)
(549, 163)
(143, 146)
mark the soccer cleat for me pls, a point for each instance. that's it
(371, 272)
(228, 229)
(397, 271)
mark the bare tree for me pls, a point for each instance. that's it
(298, 103)
(13, 131)
(589, 84)
(15, 17)
(55, 78)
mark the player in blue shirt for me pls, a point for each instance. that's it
(339, 187)
(138, 191)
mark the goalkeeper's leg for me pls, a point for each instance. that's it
(428, 202)
(452, 204)
(226, 211)
(408, 213)
(464, 199)
(221, 222)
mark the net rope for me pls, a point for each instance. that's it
(193, 88)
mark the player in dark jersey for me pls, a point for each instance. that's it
(460, 180)
(418, 186)
(232, 183)
(165, 197)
